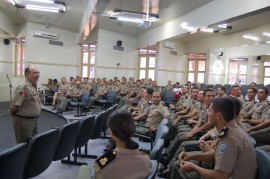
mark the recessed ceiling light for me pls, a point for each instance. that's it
(266, 34)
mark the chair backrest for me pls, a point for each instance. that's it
(169, 96)
(67, 138)
(12, 161)
(111, 95)
(157, 150)
(85, 97)
(99, 123)
(263, 163)
(41, 152)
(115, 107)
(153, 172)
(85, 131)
(162, 130)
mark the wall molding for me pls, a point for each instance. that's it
(54, 64)
(116, 68)
(6, 61)
(174, 71)
(216, 74)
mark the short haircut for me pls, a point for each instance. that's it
(207, 90)
(223, 88)
(237, 105)
(27, 70)
(85, 78)
(149, 90)
(194, 88)
(236, 86)
(254, 83)
(177, 83)
(265, 89)
(55, 80)
(254, 90)
(225, 106)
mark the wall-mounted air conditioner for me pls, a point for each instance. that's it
(46, 35)
(168, 44)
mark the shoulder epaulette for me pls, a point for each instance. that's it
(106, 158)
(223, 132)
(186, 97)
(150, 102)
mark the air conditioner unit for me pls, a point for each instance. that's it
(46, 35)
(169, 44)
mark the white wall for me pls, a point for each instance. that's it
(107, 58)
(52, 60)
(171, 67)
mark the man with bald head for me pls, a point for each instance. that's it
(25, 107)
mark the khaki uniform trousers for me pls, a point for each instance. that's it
(24, 128)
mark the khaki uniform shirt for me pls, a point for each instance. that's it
(123, 89)
(235, 154)
(26, 96)
(109, 87)
(77, 91)
(86, 87)
(182, 100)
(70, 89)
(168, 88)
(101, 90)
(63, 89)
(156, 114)
(259, 110)
(116, 88)
(247, 107)
(241, 99)
(128, 164)
(190, 104)
(145, 108)
(202, 114)
(156, 89)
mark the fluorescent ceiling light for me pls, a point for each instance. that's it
(251, 37)
(210, 30)
(127, 19)
(43, 1)
(13, 2)
(266, 34)
(41, 8)
(185, 26)
(268, 42)
(223, 25)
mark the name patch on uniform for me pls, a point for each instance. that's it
(222, 148)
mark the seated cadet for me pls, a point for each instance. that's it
(74, 94)
(261, 132)
(117, 87)
(155, 87)
(189, 103)
(126, 161)
(101, 92)
(237, 94)
(158, 111)
(251, 85)
(179, 105)
(85, 85)
(143, 113)
(169, 86)
(221, 92)
(49, 83)
(234, 156)
(251, 93)
(177, 91)
(258, 113)
(62, 91)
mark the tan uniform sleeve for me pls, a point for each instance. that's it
(165, 112)
(265, 111)
(251, 111)
(19, 95)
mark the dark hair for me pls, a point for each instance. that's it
(55, 80)
(207, 90)
(122, 126)
(225, 106)
(236, 86)
(237, 105)
(177, 83)
(27, 70)
(195, 88)
(223, 88)
(254, 83)
(254, 90)
(265, 89)
(149, 90)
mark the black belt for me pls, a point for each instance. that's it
(26, 117)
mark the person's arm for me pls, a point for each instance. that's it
(205, 173)
(204, 157)
(260, 126)
(13, 109)
(253, 121)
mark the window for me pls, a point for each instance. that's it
(237, 71)
(266, 73)
(88, 60)
(196, 67)
(147, 63)
(19, 57)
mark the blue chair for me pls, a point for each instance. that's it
(263, 163)
(168, 97)
(80, 104)
(110, 99)
(12, 161)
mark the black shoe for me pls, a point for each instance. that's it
(163, 175)
(163, 169)
(59, 111)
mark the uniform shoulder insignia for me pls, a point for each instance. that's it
(223, 132)
(163, 103)
(149, 102)
(106, 158)
(268, 102)
(186, 97)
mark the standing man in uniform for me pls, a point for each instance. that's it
(25, 107)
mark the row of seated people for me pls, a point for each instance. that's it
(191, 122)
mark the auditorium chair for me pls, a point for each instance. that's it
(12, 161)
(263, 163)
(40, 153)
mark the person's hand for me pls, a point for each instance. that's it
(206, 147)
(245, 120)
(187, 166)
(183, 156)
(152, 129)
(171, 106)
(249, 130)
(186, 136)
